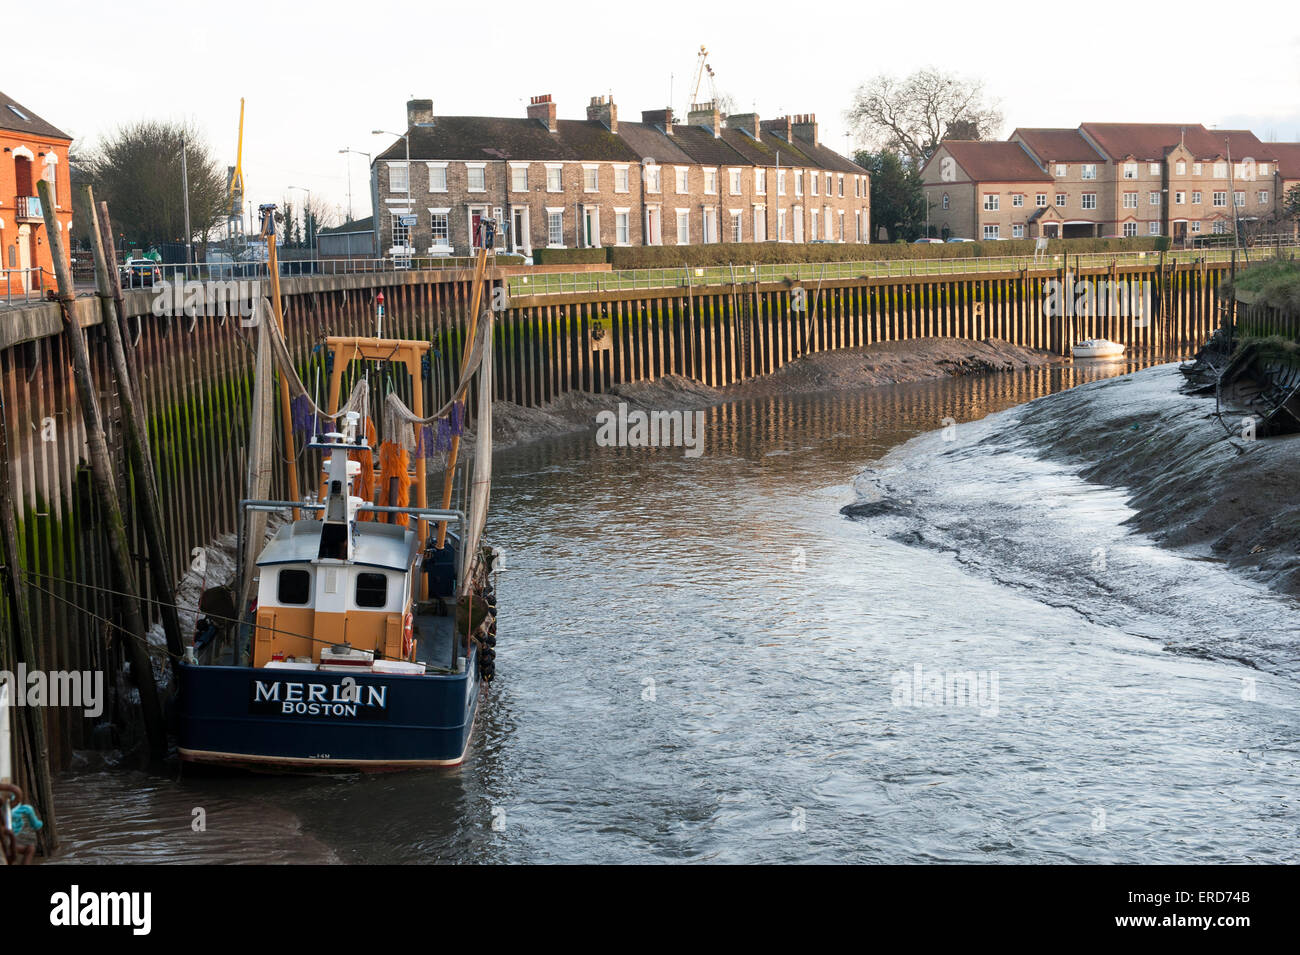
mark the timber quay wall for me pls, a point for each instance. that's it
(195, 381)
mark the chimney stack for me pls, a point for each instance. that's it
(746, 123)
(706, 115)
(601, 109)
(805, 127)
(663, 118)
(780, 127)
(418, 111)
(542, 109)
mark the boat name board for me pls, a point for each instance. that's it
(293, 698)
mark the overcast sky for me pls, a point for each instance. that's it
(319, 77)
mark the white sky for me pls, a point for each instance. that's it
(320, 76)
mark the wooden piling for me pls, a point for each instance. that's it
(106, 490)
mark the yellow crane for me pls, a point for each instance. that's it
(235, 209)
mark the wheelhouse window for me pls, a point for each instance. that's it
(293, 587)
(372, 590)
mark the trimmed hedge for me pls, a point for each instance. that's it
(675, 256)
(569, 256)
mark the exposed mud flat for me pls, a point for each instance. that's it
(881, 364)
(1193, 483)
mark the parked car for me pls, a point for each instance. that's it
(924, 241)
(959, 239)
(140, 273)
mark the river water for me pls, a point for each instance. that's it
(851, 630)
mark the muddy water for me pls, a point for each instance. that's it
(708, 659)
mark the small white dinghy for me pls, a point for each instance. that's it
(1098, 348)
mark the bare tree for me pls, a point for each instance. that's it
(137, 169)
(914, 114)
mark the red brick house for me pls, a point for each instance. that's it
(31, 149)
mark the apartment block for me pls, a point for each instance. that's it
(1114, 179)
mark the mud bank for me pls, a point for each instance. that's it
(1193, 483)
(884, 363)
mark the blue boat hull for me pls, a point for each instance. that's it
(284, 720)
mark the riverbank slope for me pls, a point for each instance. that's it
(1194, 483)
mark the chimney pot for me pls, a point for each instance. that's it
(601, 109)
(419, 111)
(542, 109)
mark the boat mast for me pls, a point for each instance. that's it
(476, 297)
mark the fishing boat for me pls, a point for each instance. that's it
(364, 629)
(1097, 348)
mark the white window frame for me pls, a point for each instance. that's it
(991, 231)
(1153, 168)
(1129, 230)
(1018, 199)
(1062, 200)
(1130, 200)
(1180, 197)
(1196, 197)
(1088, 200)
(780, 182)
(393, 167)
(760, 182)
(621, 171)
(682, 173)
(710, 180)
(556, 170)
(683, 224)
(1130, 170)
(735, 181)
(759, 230)
(654, 178)
(798, 182)
(1153, 198)
(992, 202)
(517, 167)
(1219, 199)
(550, 233)
(737, 231)
(470, 169)
(590, 172)
(622, 225)
(434, 247)
(1062, 170)
(1017, 231)
(437, 167)
(1153, 228)
(1088, 171)
(1040, 200)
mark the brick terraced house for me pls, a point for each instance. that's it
(1106, 179)
(563, 184)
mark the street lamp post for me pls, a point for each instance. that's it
(359, 153)
(406, 138)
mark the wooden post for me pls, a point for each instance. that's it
(449, 476)
(286, 415)
(102, 470)
(108, 284)
(30, 720)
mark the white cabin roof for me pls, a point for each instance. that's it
(374, 545)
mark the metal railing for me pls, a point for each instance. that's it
(559, 283)
(27, 207)
(23, 285)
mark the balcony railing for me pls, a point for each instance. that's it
(27, 208)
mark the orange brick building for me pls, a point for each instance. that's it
(30, 150)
